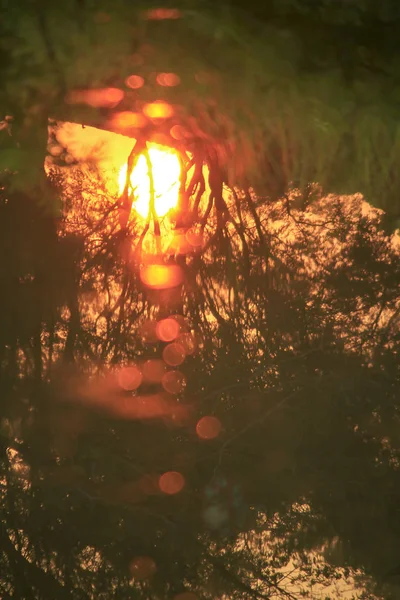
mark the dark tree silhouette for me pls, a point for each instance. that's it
(294, 315)
(289, 95)
(253, 453)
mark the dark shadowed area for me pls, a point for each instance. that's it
(199, 301)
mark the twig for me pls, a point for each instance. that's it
(152, 200)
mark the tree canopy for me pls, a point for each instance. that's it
(234, 435)
(293, 93)
(290, 329)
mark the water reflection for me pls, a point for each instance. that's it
(209, 429)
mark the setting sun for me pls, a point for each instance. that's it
(166, 175)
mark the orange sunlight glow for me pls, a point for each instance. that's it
(208, 428)
(171, 482)
(142, 567)
(166, 176)
(161, 277)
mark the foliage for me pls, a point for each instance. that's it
(296, 315)
(291, 303)
(309, 92)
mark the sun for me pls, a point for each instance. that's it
(166, 170)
